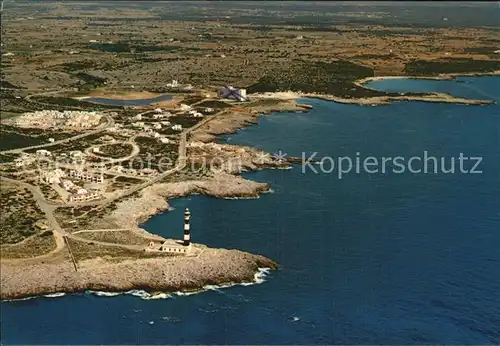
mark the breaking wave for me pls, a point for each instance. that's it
(104, 294)
(51, 295)
(246, 197)
(54, 295)
(136, 293)
(259, 278)
(19, 299)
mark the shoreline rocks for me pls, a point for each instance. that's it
(153, 199)
(383, 100)
(166, 274)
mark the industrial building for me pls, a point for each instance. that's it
(231, 93)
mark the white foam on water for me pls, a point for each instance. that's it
(158, 295)
(55, 295)
(188, 293)
(210, 288)
(259, 278)
(105, 294)
(137, 293)
(148, 296)
(170, 319)
(19, 299)
(234, 198)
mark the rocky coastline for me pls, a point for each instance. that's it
(22, 279)
(162, 273)
(154, 199)
(384, 100)
(442, 76)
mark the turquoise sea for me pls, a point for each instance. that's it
(382, 258)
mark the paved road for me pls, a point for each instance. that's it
(181, 164)
(45, 93)
(60, 234)
(48, 210)
(107, 160)
(103, 243)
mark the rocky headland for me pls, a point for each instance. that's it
(153, 199)
(382, 100)
(162, 273)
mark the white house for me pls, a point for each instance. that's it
(184, 107)
(43, 152)
(76, 154)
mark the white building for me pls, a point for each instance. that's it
(24, 160)
(52, 177)
(148, 172)
(68, 185)
(183, 107)
(65, 119)
(158, 116)
(43, 152)
(93, 178)
(82, 197)
(174, 83)
(76, 154)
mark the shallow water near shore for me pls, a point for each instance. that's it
(366, 259)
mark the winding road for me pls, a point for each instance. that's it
(60, 235)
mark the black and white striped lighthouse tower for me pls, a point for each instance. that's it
(187, 234)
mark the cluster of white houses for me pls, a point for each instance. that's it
(144, 129)
(73, 157)
(82, 175)
(56, 119)
(24, 160)
(75, 193)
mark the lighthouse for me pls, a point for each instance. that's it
(187, 235)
